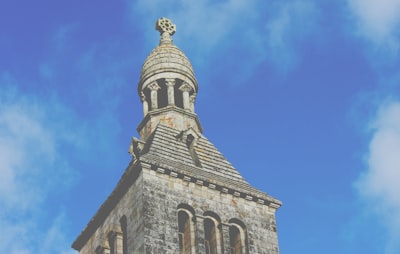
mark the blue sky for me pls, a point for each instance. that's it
(302, 96)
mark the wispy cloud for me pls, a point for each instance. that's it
(44, 135)
(254, 31)
(292, 22)
(90, 72)
(378, 21)
(202, 25)
(379, 184)
(32, 167)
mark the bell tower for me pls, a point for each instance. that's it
(179, 194)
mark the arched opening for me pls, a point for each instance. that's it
(186, 228)
(210, 236)
(235, 240)
(178, 94)
(162, 95)
(146, 99)
(212, 233)
(184, 232)
(237, 237)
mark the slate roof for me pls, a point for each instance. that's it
(166, 149)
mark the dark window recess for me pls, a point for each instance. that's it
(184, 232)
(210, 236)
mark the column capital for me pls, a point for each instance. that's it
(170, 81)
(192, 97)
(185, 87)
(154, 86)
(142, 97)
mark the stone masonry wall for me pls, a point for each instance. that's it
(162, 195)
(150, 207)
(131, 206)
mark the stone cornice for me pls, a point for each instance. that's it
(246, 192)
(165, 110)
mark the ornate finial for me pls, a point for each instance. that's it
(166, 29)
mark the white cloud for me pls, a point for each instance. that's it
(204, 23)
(31, 167)
(380, 183)
(261, 30)
(378, 21)
(292, 22)
(55, 235)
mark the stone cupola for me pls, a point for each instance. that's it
(167, 86)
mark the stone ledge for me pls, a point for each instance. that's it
(222, 189)
(226, 186)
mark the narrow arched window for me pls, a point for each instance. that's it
(178, 94)
(237, 237)
(162, 95)
(210, 236)
(235, 240)
(212, 233)
(185, 242)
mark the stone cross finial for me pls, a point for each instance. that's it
(166, 29)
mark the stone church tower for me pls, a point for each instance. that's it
(178, 194)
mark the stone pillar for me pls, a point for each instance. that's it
(145, 104)
(219, 236)
(192, 99)
(185, 88)
(116, 241)
(225, 238)
(170, 82)
(154, 87)
(200, 234)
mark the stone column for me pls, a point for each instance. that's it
(225, 238)
(170, 82)
(145, 104)
(200, 234)
(192, 99)
(154, 87)
(185, 88)
(219, 237)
